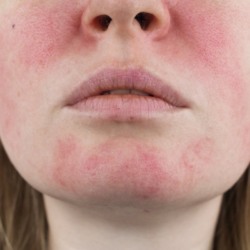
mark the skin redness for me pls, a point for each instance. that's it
(141, 172)
(200, 51)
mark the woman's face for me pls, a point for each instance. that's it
(200, 48)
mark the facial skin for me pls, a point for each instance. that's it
(145, 171)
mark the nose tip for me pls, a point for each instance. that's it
(126, 17)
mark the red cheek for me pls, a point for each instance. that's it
(206, 47)
(45, 34)
(204, 33)
(202, 42)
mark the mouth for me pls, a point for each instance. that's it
(126, 92)
(113, 81)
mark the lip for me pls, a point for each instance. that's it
(138, 79)
(87, 96)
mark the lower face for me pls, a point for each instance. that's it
(193, 155)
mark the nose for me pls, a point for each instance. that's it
(126, 18)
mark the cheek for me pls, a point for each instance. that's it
(124, 170)
(206, 46)
(210, 48)
(44, 34)
(34, 38)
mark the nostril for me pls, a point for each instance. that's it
(144, 19)
(102, 22)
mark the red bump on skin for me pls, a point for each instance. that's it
(125, 169)
(138, 173)
(142, 173)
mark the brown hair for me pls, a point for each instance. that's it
(23, 223)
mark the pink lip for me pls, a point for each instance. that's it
(110, 79)
(87, 96)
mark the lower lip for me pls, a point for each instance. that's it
(123, 107)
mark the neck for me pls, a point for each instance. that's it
(111, 228)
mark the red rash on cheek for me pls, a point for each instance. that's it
(205, 43)
(46, 34)
(123, 169)
(207, 48)
(204, 35)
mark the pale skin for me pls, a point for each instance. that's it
(157, 184)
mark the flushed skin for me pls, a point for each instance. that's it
(201, 47)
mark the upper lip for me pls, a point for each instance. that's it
(137, 79)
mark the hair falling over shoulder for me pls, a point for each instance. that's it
(233, 227)
(23, 223)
